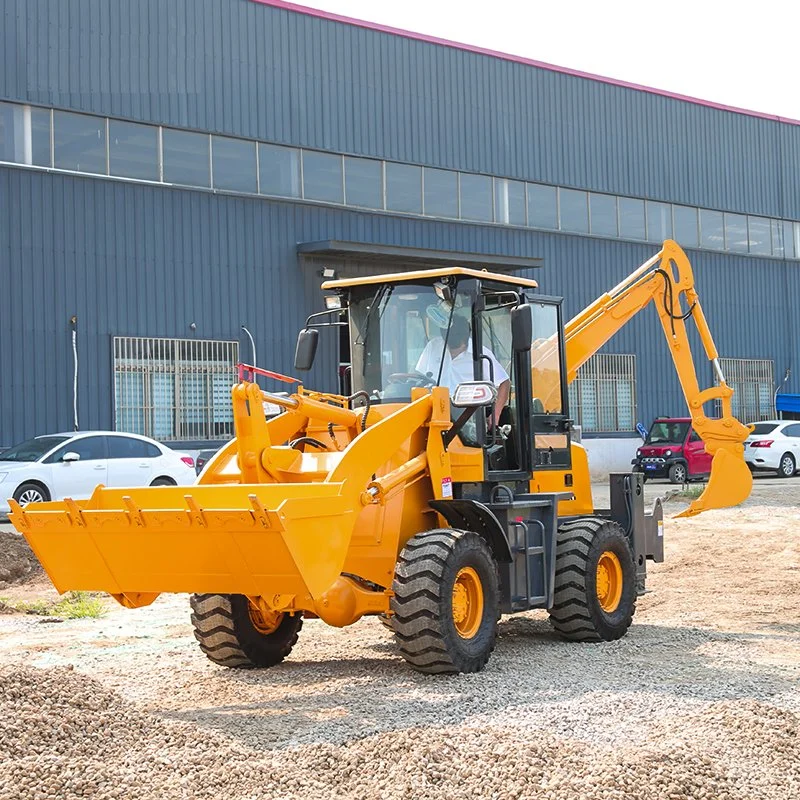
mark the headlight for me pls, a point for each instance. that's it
(668, 453)
(638, 453)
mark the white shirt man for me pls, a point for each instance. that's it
(457, 366)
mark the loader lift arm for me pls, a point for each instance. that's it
(664, 279)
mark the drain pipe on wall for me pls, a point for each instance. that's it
(780, 386)
(252, 345)
(73, 321)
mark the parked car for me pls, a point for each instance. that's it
(673, 450)
(73, 464)
(774, 445)
(202, 459)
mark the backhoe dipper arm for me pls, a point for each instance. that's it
(664, 279)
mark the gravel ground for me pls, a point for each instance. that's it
(700, 700)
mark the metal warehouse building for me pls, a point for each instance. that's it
(171, 172)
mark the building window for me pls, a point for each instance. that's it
(573, 211)
(323, 178)
(476, 197)
(509, 202)
(659, 222)
(758, 231)
(133, 150)
(174, 389)
(441, 193)
(603, 214)
(686, 230)
(79, 142)
(631, 218)
(186, 158)
(233, 164)
(279, 170)
(603, 394)
(736, 233)
(712, 232)
(542, 206)
(753, 385)
(24, 134)
(403, 188)
(363, 178)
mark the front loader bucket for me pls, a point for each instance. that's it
(273, 541)
(729, 483)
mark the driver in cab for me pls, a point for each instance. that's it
(457, 366)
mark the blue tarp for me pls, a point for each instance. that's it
(788, 402)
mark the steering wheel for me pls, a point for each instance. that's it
(415, 378)
(307, 440)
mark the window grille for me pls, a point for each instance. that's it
(752, 381)
(174, 389)
(603, 394)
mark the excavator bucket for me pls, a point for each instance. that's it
(729, 483)
(261, 540)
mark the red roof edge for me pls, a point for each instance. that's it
(422, 37)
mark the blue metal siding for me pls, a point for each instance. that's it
(141, 260)
(244, 68)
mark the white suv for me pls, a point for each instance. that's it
(774, 445)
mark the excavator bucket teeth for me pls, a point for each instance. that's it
(247, 539)
(729, 483)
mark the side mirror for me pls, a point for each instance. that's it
(474, 395)
(69, 457)
(521, 328)
(306, 349)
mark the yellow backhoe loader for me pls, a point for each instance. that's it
(442, 492)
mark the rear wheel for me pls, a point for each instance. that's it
(163, 482)
(678, 473)
(595, 588)
(787, 466)
(445, 602)
(234, 633)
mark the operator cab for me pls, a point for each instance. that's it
(450, 327)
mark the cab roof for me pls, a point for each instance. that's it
(425, 274)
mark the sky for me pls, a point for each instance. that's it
(731, 52)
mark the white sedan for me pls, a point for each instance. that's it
(774, 445)
(73, 464)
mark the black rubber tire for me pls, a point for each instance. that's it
(787, 467)
(678, 473)
(576, 613)
(163, 482)
(228, 637)
(30, 486)
(423, 602)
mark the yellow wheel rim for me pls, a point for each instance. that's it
(264, 622)
(609, 581)
(467, 602)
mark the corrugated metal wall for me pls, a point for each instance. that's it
(140, 260)
(250, 69)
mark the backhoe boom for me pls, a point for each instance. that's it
(664, 279)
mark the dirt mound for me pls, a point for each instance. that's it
(18, 564)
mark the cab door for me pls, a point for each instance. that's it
(550, 422)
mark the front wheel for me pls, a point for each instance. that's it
(234, 633)
(787, 466)
(595, 586)
(31, 493)
(678, 473)
(445, 602)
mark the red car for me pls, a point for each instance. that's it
(672, 450)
